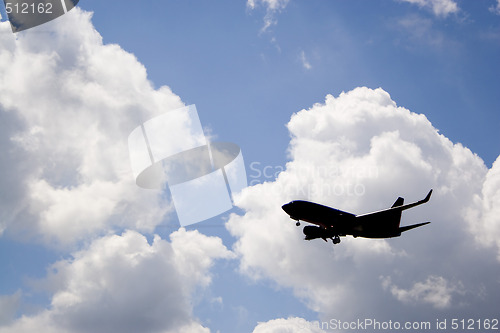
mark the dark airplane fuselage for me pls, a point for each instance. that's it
(323, 216)
(340, 222)
(332, 222)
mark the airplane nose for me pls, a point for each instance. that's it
(287, 208)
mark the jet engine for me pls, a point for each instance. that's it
(312, 232)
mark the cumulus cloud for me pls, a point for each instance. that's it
(439, 7)
(272, 8)
(290, 325)
(358, 152)
(483, 214)
(124, 284)
(67, 105)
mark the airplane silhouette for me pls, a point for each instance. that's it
(333, 223)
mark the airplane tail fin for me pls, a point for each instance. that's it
(399, 202)
(403, 229)
(396, 214)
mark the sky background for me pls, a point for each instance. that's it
(390, 97)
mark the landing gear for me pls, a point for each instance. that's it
(336, 240)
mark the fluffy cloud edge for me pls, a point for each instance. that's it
(330, 144)
(440, 8)
(69, 103)
(289, 325)
(123, 283)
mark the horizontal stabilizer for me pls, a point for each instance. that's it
(403, 229)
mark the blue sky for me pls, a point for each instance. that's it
(70, 210)
(439, 66)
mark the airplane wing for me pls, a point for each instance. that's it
(387, 219)
(416, 203)
(395, 208)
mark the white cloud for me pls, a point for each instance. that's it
(483, 214)
(496, 9)
(420, 30)
(359, 152)
(439, 7)
(123, 284)
(270, 4)
(9, 304)
(272, 8)
(289, 325)
(303, 59)
(68, 103)
(436, 291)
